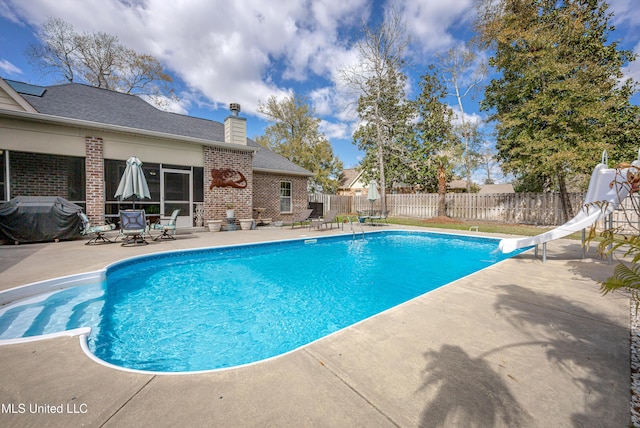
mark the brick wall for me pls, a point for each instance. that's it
(266, 194)
(94, 169)
(216, 198)
(34, 174)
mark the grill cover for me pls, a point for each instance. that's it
(39, 219)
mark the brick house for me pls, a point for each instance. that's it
(72, 140)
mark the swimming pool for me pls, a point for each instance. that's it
(221, 307)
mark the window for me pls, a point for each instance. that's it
(198, 184)
(76, 179)
(3, 186)
(285, 197)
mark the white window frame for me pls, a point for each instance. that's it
(284, 198)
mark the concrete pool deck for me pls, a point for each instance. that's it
(521, 343)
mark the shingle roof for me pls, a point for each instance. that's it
(83, 102)
(98, 105)
(266, 160)
(348, 177)
(496, 188)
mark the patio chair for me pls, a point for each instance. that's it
(133, 227)
(379, 217)
(330, 218)
(98, 231)
(302, 218)
(166, 228)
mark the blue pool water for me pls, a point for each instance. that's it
(215, 308)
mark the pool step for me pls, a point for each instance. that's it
(41, 315)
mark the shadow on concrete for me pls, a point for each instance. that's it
(587, 345)
(470, 393)
(11, 254)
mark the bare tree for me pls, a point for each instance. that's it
(380, 84)
(57, 51)
(99, 56)
(488, 162)
(462, 74)
(100, 60)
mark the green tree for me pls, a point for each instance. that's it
(559, 101)
(379, 82)
(98, 59)
(295, 134)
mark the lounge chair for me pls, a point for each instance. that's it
(133, 227)
(330, 218)
(302, 218)
(98, 231)
(166, 228)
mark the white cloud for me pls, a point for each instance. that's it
(633, 69)
(625, 11)
(9, 68)
(321, 100)
(430, 23)
(332, 131)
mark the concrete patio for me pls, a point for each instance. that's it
(520, 344)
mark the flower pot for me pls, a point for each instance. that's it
(214, 225)
(231, 214)
(246, 223)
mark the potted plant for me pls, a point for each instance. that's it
(230, 211)
(246, 223)
(214, 225)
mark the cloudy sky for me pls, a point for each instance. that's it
(245, 51)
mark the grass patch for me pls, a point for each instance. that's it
(486, 227)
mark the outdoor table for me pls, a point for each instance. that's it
(231, 224)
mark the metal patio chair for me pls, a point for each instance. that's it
(133, 227)
(166, 228)
(98, 231)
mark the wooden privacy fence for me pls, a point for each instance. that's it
(525, 208)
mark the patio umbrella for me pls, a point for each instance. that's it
(133, 182)
(373, 194)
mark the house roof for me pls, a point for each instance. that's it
(102, 106)
(457, 184)
(348, 178)
(264, 160)
(497, 188)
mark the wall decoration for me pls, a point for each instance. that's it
(227, 178)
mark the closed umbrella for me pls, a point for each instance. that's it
(373, 194)
(133, 182)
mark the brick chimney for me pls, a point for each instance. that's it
(235, 127)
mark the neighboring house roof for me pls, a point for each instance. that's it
(457, 184)
(349, 177)
(102, 106)
(497, 188)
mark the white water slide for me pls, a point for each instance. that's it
(607, 189)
